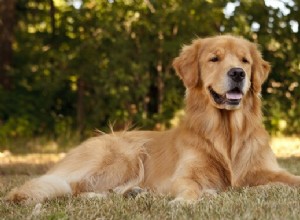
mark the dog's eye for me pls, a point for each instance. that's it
(214, 59)
(244, 60)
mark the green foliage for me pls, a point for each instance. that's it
(110, 61)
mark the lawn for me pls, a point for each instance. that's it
(267, 202)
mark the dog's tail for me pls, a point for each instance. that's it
(40, 189)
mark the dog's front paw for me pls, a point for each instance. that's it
(16, 196)
(135, 192)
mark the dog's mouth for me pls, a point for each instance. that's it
(231, 97)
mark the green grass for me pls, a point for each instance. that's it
(264, 202)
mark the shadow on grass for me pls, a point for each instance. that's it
(291, 164)
(24, 169)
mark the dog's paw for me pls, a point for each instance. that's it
(16, 197)
(135, 192)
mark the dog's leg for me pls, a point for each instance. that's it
(185, 191)
(120, 177)
(97, 165)
(263, 177)
(39, 189)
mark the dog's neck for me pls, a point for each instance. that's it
(205, 119)
(219, 126)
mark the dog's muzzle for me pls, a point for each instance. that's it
(235, 94)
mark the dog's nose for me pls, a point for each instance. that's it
(236, 74)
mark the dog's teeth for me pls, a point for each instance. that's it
(234, 96)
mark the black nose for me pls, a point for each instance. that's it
(236, 74)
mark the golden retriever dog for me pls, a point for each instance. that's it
(219, 143)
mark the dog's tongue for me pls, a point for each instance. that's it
(233, 95)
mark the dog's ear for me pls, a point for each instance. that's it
(186, 64)
(260, 69)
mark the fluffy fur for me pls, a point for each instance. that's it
(219, 143)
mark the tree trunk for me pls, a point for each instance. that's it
(52, 17)
(160, 87)
(159, 69)
(156, 89)
(153, 92)
(80, 106)
(7, 24)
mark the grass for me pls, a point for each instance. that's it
(264, 202)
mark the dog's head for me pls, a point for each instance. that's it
(225, 67)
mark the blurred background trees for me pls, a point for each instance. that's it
(75, 65)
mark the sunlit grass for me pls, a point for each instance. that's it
(286, 146)
(32, 158)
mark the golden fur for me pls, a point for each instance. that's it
(220, 142)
